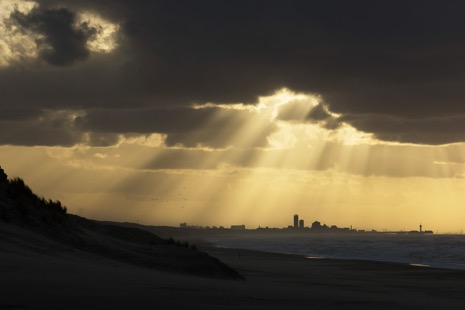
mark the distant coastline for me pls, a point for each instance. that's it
(299, 227)
(298, 231)
(417, 249)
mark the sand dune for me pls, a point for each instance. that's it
(78, 280)
(54, 260)
(30, 224)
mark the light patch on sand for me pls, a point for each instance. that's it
(419, 265)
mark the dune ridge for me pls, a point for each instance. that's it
(32, 223)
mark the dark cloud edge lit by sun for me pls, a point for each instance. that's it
(240, 87)
(128, 63)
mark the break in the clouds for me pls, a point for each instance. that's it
(271, 122)
(393, 70)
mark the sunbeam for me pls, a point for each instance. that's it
(262, 163)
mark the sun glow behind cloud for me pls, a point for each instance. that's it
(278, 158)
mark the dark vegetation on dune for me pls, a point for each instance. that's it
(19, 206)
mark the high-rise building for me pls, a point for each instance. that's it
(296, 221)
(301, 224)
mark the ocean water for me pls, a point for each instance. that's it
(440, 251)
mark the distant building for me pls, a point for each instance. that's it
(316, 225)
(301, 224)
(238, 227)
(184, 225)
(296, 221)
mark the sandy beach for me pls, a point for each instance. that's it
(79, 280)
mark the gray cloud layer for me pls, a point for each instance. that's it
(401, 61)
(211, 127)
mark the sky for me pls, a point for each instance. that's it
(238, 112)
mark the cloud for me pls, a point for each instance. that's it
(18, 114)
(49, 128)
(189, 127)
(432, 130)
(14, 44)
(58, 35)
(361, 159)
(284, 120)
(308, 109)
(62, 44)
(393, 60)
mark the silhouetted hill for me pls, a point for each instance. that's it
(31, 223)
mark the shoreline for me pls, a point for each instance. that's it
(421, 254)
(272, 281)
(323, 258)
(213, 237)
(384, 285)
(222, 249)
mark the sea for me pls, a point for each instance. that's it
(438, 251)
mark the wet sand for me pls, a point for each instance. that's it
(76, 280)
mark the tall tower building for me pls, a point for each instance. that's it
(296, 221)
(301, 224)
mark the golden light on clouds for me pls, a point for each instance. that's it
(279, 158)
(288, 111)
(18, 44)
(15, 43)
(110, 108)
(105, 39)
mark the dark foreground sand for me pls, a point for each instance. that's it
(83, 281)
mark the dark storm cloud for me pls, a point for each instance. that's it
(63, 42)
(213, 127)
(361, 55)
(319, 113)
(396, 59)
(98, 139)
(47, 129)
(433, 130)
(18, 114)
(145, 121)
